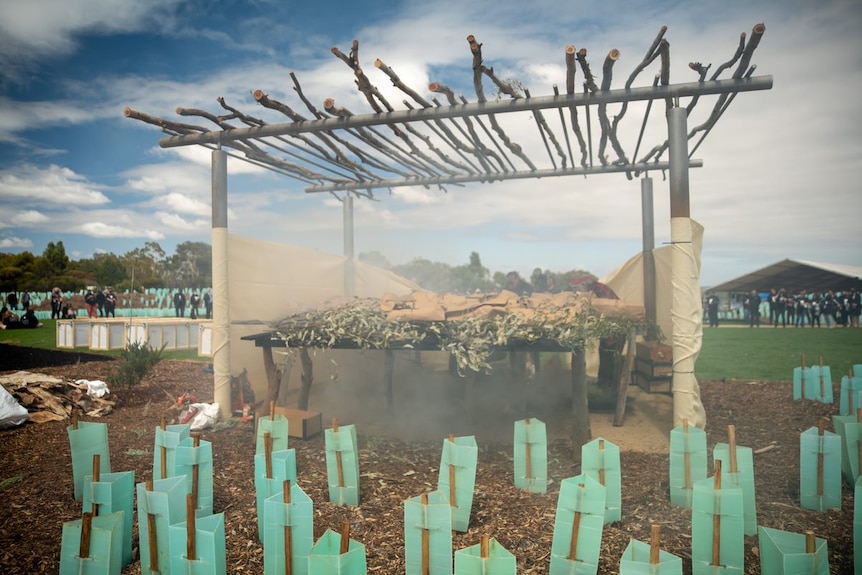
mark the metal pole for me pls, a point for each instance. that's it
(349, 271)
(648, 225)
(221, 302)
(678, 147)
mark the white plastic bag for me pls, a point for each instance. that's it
(205, 415)
(12, 413)
(95, 388)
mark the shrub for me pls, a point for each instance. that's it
(136, 362)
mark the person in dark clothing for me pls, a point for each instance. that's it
(772, 300)
(790, 306)
(180, 303)
(110, 304)
(780, 309)
(855, 307)
(753, 309)
(208, 303)
(100, 302)
(814, 310)
(194, 304)
(25, 301)
(12, 300)
(56, 303)
(712, 302)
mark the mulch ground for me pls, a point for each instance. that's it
(36, 493)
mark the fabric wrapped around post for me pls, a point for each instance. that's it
(298, 515)
(743, 478)
(428, 526)
(166, 504)
(104, 548)
(531, 455)
(186, 458)
(111, 493)
(87, 440)
(688, 463)
(819, 470)
(326, 556)
(786, 552)
(499, 560)
(578, 525)
(601, 461)
(457, 477)
(342, 465)
(168, 439)
(282, 467)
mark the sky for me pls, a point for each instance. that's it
(781, 174)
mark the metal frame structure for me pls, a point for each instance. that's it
(430, 143)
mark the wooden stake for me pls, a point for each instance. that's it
(716, 517)
(86, 530)
(850, 389)
(338, 465)
(151, 532)
(288, 534)
(75, 420)
(452, 475)
(163, 451)
(96, 469)
(810, 542)
(687, 456)
(802, 376)
(267, 454)
(196, 442)
(484, 547)
(602, 462)
(576, 525)
(426, 550)
(820, 458)
(345, 537)
(654, 544)
(528, 455)
(731, 438)
(822, 385)
(191, 543)
(272, 411)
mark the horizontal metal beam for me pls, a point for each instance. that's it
(495, 177)
(476, 109)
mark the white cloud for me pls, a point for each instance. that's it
(30, 218)
(15, 243)
(103, 230)
(33, 186)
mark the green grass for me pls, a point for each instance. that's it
(770, 354)
(45, 337)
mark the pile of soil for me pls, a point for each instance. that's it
(36, 496)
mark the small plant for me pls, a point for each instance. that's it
(136, 362)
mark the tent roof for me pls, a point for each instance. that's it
(796, 276)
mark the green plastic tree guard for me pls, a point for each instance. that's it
(276, 427)
(857, 526)
(851, 395)
(111, 493)
(688, 463)
(817, 382)
(726, 505)
(209, 546)
(578, 526)
(187, 458)
(531, 456)
(166, 442)
(601, 461)
(457, 477)
(87, 440)
(840, 423)
(638, 559)
(428, 523)
(285, 521)
(857, 370)
(104, 553)
(853, 447)
(743, 478)
(785, 553)
(494, 560)
(342, 465)
(281, 468)
(158, 509)
(326, 557)
(819, 470)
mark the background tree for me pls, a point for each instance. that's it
(56, 256)
(191, 265)
(144, 267)
(471, 277)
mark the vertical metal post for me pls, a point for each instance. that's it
(678, 146)
(221, 305)
(349, 271)
(648, 225)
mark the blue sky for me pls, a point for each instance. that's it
(781, 176)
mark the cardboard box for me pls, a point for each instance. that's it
(651, 369)
(654, 351)
(301, 424)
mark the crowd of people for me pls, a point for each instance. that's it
(825, 309)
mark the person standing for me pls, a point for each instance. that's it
(753, 309)
(194, 303)
(180, 303)
(712, 302)
(56, 303)
(830, 307)
(25, 301)
(110, 303)
(208, 303)
(780, 309)
(12, 301)
(90, 303)
(772, 300)
(814, 308)
(855, 306)
(100, 302)
(801, 309)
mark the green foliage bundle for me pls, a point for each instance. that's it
(136, 362)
